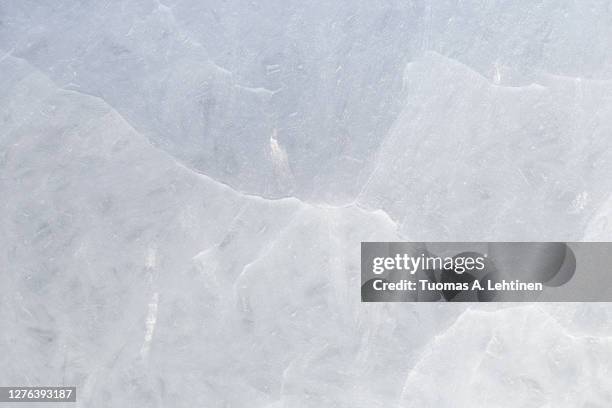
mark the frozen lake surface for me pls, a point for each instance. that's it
(185, 185)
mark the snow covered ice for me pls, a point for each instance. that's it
(184, 186)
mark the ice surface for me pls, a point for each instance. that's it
(185, 186)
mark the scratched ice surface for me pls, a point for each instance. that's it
(184, 186)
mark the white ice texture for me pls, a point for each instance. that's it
(184, 186)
